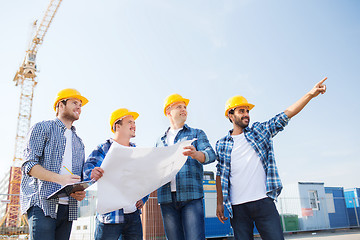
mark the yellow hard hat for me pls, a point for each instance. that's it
(236, 101)
(119, 114)
(69, 93)
(174, 98)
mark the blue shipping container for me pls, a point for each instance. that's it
(352, 198)
(213, 227)
(338, 214)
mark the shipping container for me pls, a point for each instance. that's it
(306, 200)
(336, 206)
(213, 227)
(352, 198)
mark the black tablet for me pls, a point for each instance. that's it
(71, 188)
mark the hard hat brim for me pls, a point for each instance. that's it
(135, 115)
(83, 100)
(186, 101)
(249, 105)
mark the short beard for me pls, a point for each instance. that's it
(238, 122)
(70, 116)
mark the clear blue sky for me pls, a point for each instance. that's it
(134, 53)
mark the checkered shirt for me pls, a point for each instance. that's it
(45, 147)
(189, 180)
(95, 159)
(260, 138)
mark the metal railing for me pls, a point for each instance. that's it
(297, 214)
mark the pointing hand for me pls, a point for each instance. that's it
(320, 87)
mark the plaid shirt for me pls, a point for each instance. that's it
(95, 159)
(45, 147)
(260, 138)
(189, 180)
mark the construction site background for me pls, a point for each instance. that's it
(295, 226)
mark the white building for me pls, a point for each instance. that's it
(307, 200)
(84, 226)
(4, 188)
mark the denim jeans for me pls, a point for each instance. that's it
(131, 229)
(184, 220)
(263, 212)
(45, 227)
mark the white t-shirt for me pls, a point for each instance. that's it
(247, 175)
(131, 208)
(67, 161)
(170, 139)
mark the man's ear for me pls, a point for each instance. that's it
(116, 126)
(60, 106)
(168, 112)
(231, 117)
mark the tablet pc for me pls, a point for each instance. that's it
(71, 188)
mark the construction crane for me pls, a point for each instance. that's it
(25, 77)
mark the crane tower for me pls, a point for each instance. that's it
(25, 77)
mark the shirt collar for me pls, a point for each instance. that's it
(62, 125)
(110, 140)
(185, 128)
(247, 129)
(228, 136)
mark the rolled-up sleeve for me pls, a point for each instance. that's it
(144, 199)
(94, 160)
(34, 150)
(276, 124)
(219, 166)
(203, 145)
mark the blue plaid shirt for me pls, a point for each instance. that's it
(189, 180)
(46, 146)
(95, 159)
(260, 138)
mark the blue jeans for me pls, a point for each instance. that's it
(131, 229)
(45, 227)
(184, 220)
(263, 212)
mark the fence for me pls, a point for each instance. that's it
(151, 219)
(297, 214)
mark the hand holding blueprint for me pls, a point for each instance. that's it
(131, 173)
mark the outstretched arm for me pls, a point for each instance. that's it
(294, 109)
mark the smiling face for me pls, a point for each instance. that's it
(177, 112)
(126, 127)
(70, 109)
(240, 118)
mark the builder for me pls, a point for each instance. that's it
(123, 223)
(54, 156)
(181, 200)
(247, 179)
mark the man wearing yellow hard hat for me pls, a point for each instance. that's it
(181, 200)
(249, 190)
(54, 156)
(126, 222)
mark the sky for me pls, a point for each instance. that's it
(134, 53)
